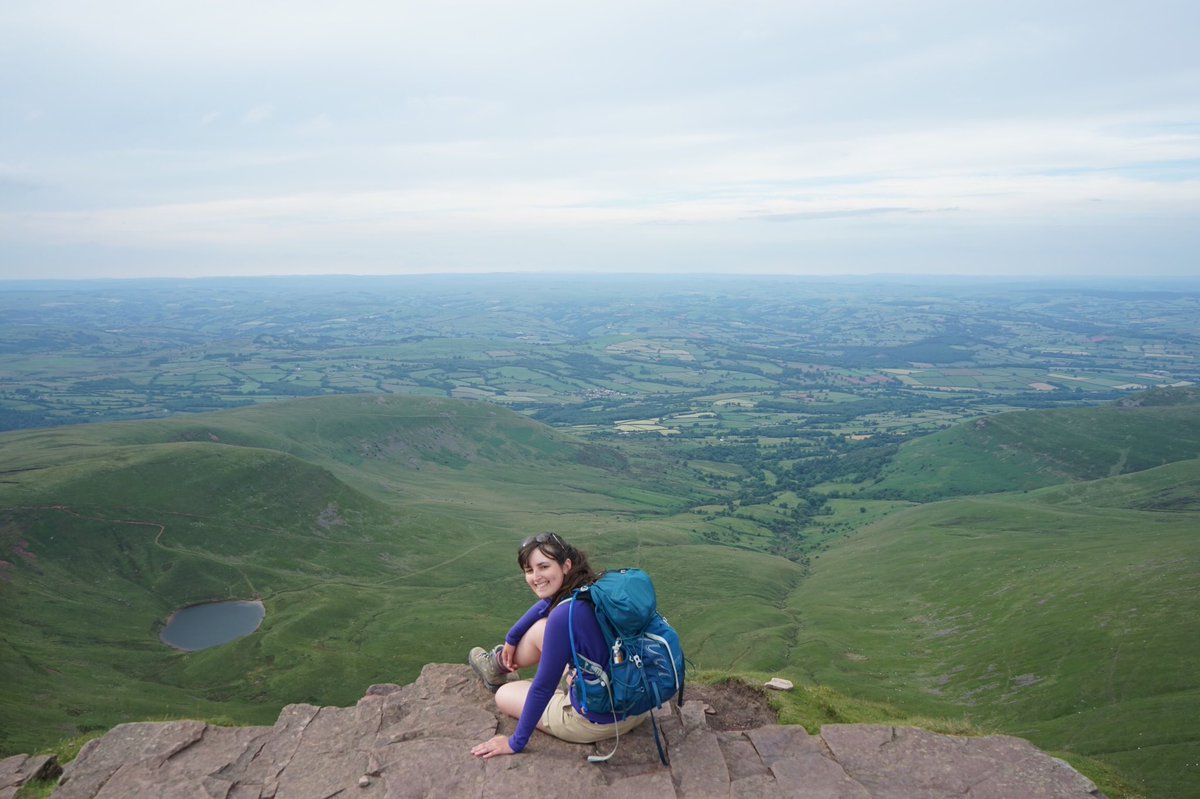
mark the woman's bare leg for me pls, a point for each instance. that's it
(510, 697)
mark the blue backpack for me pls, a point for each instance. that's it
(645, 668)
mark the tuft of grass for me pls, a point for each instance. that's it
(1111, 782)
(68, 748)
(64, 751)
(38, 789)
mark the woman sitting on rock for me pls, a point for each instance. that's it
(553, 569)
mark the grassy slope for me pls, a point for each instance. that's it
(1035, 449)
(379, 531)
(1068, 615)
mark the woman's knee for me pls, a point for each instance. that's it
(529, 650)
(510, 697)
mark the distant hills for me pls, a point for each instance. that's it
(1033, 449)
(1048, 588)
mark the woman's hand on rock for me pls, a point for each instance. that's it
(492, 747)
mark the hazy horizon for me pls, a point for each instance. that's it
(1019, 140)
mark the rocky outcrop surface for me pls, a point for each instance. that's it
(17, 770)
(415, 740)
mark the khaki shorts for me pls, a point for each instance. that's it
(563, 721)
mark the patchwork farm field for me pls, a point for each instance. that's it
(570, 350)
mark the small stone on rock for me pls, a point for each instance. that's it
(779, 684)
(364, 781)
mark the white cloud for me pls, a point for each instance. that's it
(258, 114)
(174, 125)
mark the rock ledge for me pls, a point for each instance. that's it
(415, 740)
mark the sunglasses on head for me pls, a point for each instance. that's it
(542, 538)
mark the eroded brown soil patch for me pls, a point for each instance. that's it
(738, 706)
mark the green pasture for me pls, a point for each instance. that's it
(350, 381)
(847, 517)
(918, 422)
(262, 374)
(993, 379)
(685, 378)
(644, 385)
(833, 397)
(718, 468)
(521, 376)
(475, 393)
(409, 390)
(41, 365)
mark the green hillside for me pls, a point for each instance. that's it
(380, 533)
(1034, 449)
(374, 433)
(1068, 615)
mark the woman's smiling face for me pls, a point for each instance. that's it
(544, 575)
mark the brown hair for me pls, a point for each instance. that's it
(554, 547)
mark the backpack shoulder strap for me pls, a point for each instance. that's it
(571, 626)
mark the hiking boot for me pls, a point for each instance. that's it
(486, 663)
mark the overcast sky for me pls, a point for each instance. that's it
(164, 138)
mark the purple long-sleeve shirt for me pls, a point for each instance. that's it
(538, 611)
(556, 654)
